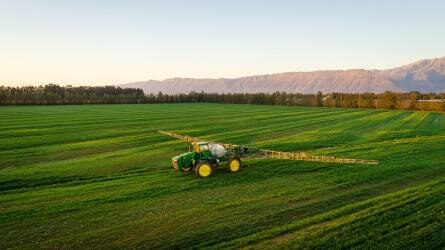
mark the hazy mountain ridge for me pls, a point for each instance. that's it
(424, 76)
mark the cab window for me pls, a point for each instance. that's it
(204, 147)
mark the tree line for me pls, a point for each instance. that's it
(55, 94)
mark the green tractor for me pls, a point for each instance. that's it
(204, 157)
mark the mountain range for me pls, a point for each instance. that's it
(424, 76)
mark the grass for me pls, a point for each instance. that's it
(100, 177)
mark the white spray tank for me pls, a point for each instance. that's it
(217, 150)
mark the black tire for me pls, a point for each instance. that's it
(234, 164)
(204, 169)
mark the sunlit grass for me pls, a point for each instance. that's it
(100, 176)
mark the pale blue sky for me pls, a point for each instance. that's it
(110, 42)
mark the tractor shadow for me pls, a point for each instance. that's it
(253, 171)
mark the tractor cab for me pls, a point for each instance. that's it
(202, 148)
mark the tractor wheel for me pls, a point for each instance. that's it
(204, 169)
(234, 164)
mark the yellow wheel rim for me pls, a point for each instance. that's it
(204, 170)
(234, 165)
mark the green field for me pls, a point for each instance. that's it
(100, 177)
